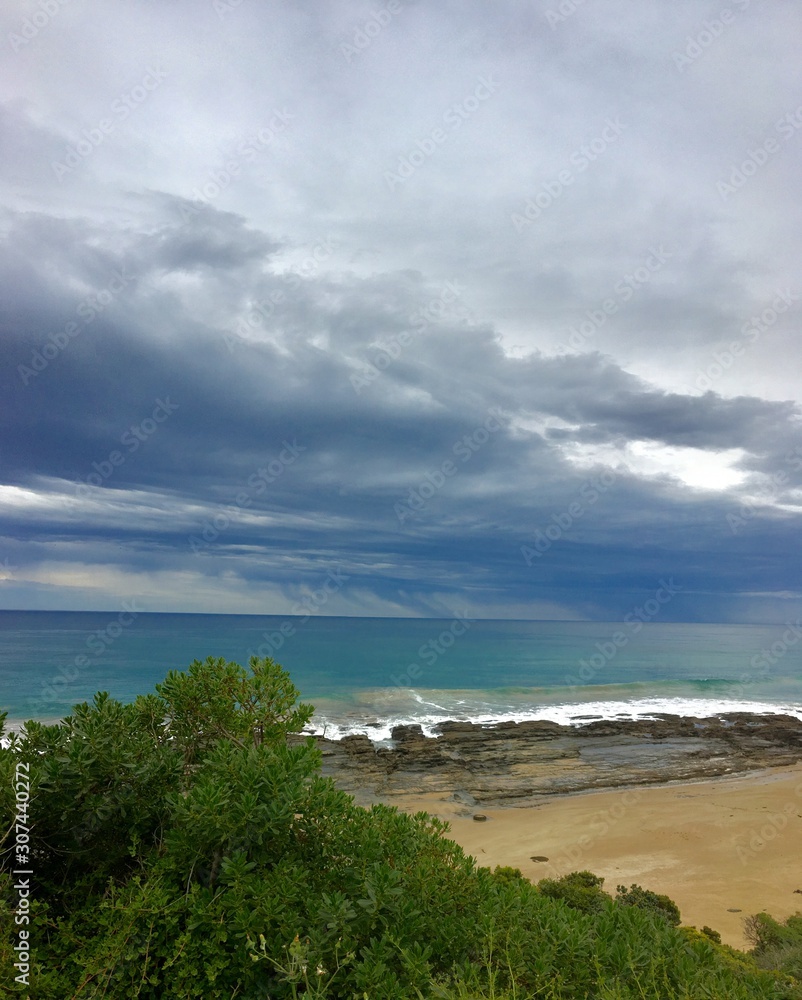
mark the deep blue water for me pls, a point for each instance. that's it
(368, 673)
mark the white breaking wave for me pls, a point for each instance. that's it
(430, 715)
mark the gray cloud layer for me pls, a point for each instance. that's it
(239, 348)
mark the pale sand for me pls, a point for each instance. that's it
(709, 845)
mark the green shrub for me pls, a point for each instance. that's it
(505, 875)
(645, 899)
(776, 946)
(183, 849)
(580, 890)
(765, 932)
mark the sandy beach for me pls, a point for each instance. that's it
(722, 848)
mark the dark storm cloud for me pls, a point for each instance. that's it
(265, 438)
(706, 421)
(224, 323)
(235, 392)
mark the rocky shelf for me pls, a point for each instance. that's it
(513, 763)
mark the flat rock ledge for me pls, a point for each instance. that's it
(511, 763)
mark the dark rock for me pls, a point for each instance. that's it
(358, 743)
(400, 734)
(516, 763)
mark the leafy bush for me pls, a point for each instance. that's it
(183, 848)
(580, 890)
(764, 932)
(505, 875)
(776, 946)
(654, 902)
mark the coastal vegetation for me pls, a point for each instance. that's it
(181, 847)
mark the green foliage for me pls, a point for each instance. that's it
(98, 781)
(579, 890)
(786, 959)
(765, 932)
(216, 700)
(654, 902)
(776, 946)
(183, 848)
(505, 875)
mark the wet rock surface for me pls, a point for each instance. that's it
(517, 763)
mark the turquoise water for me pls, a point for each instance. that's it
(366, 674)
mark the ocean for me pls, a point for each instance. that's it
(368, 674)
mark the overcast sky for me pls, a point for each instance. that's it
(402, 308)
